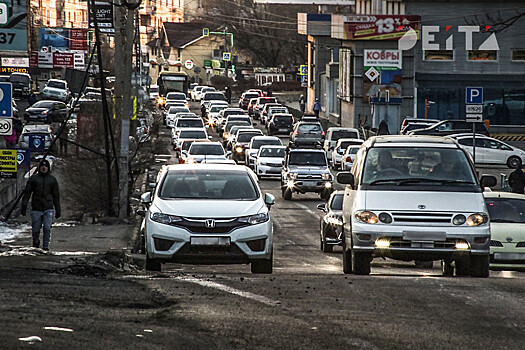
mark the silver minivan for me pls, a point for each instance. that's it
(415, 198)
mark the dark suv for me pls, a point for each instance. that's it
(306, 170)
(307, 134)
(21, 84)
(449, 127)
(281, 123)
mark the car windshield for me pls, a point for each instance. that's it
(216, 109)
(208, 184)
(304, 128)
(337, 202)
(192, 134)
(506, 210)
(232, 124)
(189, 123)
(206, 149)
(247, 136)
(272, 152)
(344, 134)
(417, 165)
(19, 78)
(56, 84)
(174, 110)
(256, 144)
(307, 158)
(175, 96)
(44, 104)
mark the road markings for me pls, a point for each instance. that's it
(231, 290)
(308, 210)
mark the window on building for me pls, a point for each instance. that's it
(482, 55)
(438, 55)
(518, 55)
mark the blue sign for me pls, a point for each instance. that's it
(474, 95)
(303, 78)
(37, 142)
(6, 100)
(303, 69)
(23, 159)
(13, 33)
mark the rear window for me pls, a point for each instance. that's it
(265, 100)
(175, 96)
(247, 136)
(251, 95)
(214, 96)
(309, 128)
(284, 119)
(258, 143)
(190, 134)
(190, 123)
(344, 134)
(344, 145)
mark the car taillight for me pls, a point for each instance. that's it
(296, 132)
(404, 123)
(349, 159)
(322, 133)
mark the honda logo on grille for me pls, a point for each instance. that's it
(422, 206)
(209, 223)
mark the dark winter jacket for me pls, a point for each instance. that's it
(44, 189)
(517, 181)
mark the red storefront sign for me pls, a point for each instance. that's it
(63, 60)
(78, 39)
(379, 27)
(33, 59)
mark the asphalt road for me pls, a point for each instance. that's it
(307, 303)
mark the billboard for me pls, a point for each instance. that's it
(374, 27)
(13, 26)
(63, 39)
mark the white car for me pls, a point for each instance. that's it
(490, 150)
(348, 158)
(187, 134)
(184, 123)
(56, 89)
(208, 213)
(172, 112)
(269, 161)
(171, 118)
(203, 151)
(257, 142)
(195, 91)
(334, 134)
(200, 94)
(339, 150)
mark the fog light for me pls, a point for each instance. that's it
(328, 184)
(290, 183)
(382, 243)
(480, 240)
(162, 244)
(257, 245)
(462, 245)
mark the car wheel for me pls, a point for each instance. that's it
(446, 268)
(327, 248)
(262, 265)
(479, 265)
(513, 162)
(462, 266)
(424, 264)
(142, 244)
(360, 262)
(287, 194)
(152, 264)
(347, 258)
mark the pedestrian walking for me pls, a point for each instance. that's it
(228, 93)
(17, 126)
(43, 190)
(383, 128)
(31, 99)
(63, 140)
(517, 179)
(317, 107)
(302, 103)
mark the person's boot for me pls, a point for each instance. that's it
(36, 244)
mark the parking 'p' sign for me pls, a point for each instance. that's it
(474, 95)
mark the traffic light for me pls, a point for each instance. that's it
(233, 68)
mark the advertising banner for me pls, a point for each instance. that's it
(23, 159)
(383, 59)
(57, 38)
(13, 26)
(63, 60)
(379, 27)
(104, 11)
(78, 39)
(15, 62)
(45, 60)
(37, 142)
(8, 163)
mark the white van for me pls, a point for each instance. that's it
(415, 198)
(334, 134)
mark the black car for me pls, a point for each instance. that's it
(46, 111)
(281, 123)
(331, 225)
(21, 84)
(452, 126)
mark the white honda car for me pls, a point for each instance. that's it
(208, 214)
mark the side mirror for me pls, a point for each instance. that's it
(229, 153)
(269, 199)
(330, 148)
(184, 153)
(282, 162)
(254, 123)
(210, 137)
(322, 207)
(346, 178)
(152, 185)
(145, 198)
(141, 212)
(488, 181)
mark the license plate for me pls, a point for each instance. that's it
(509, 256)
(283, 129)
(424, 236)
(221, 241)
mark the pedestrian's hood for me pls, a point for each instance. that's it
(207, 208)
(432, 201)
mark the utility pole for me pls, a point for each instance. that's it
(123, 104)
(226, 50)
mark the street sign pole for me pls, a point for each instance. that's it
(474, 143)
(474, 105)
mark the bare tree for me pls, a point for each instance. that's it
(497, 21)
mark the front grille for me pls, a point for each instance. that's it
(421, 217)
(496, 244)
(274, 164)
(520, 245)
(309, 177)
(198, 225)
(398, 242)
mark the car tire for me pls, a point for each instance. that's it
(347, 259)
(462, 266)
(446, 268)
(513, 162)
(479, 265)
(287, 194)
(262, 265)
(327, 248)
(360, 262)
(424, 264)
(152, 264)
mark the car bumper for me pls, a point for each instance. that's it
(508, 259)
(304, 186)
(232, 247)
(418, 242)
(266, 170)
(308, 142)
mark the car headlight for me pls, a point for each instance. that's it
(326, 176)
(366, 216)
(459, 219)
(477, 219)
(165, 218)
(45, 112)
(238, 149)
(292, 175)
(255, 219)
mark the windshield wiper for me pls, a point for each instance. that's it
(442, 182)
(387, 180)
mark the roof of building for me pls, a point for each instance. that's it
(181, 34)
